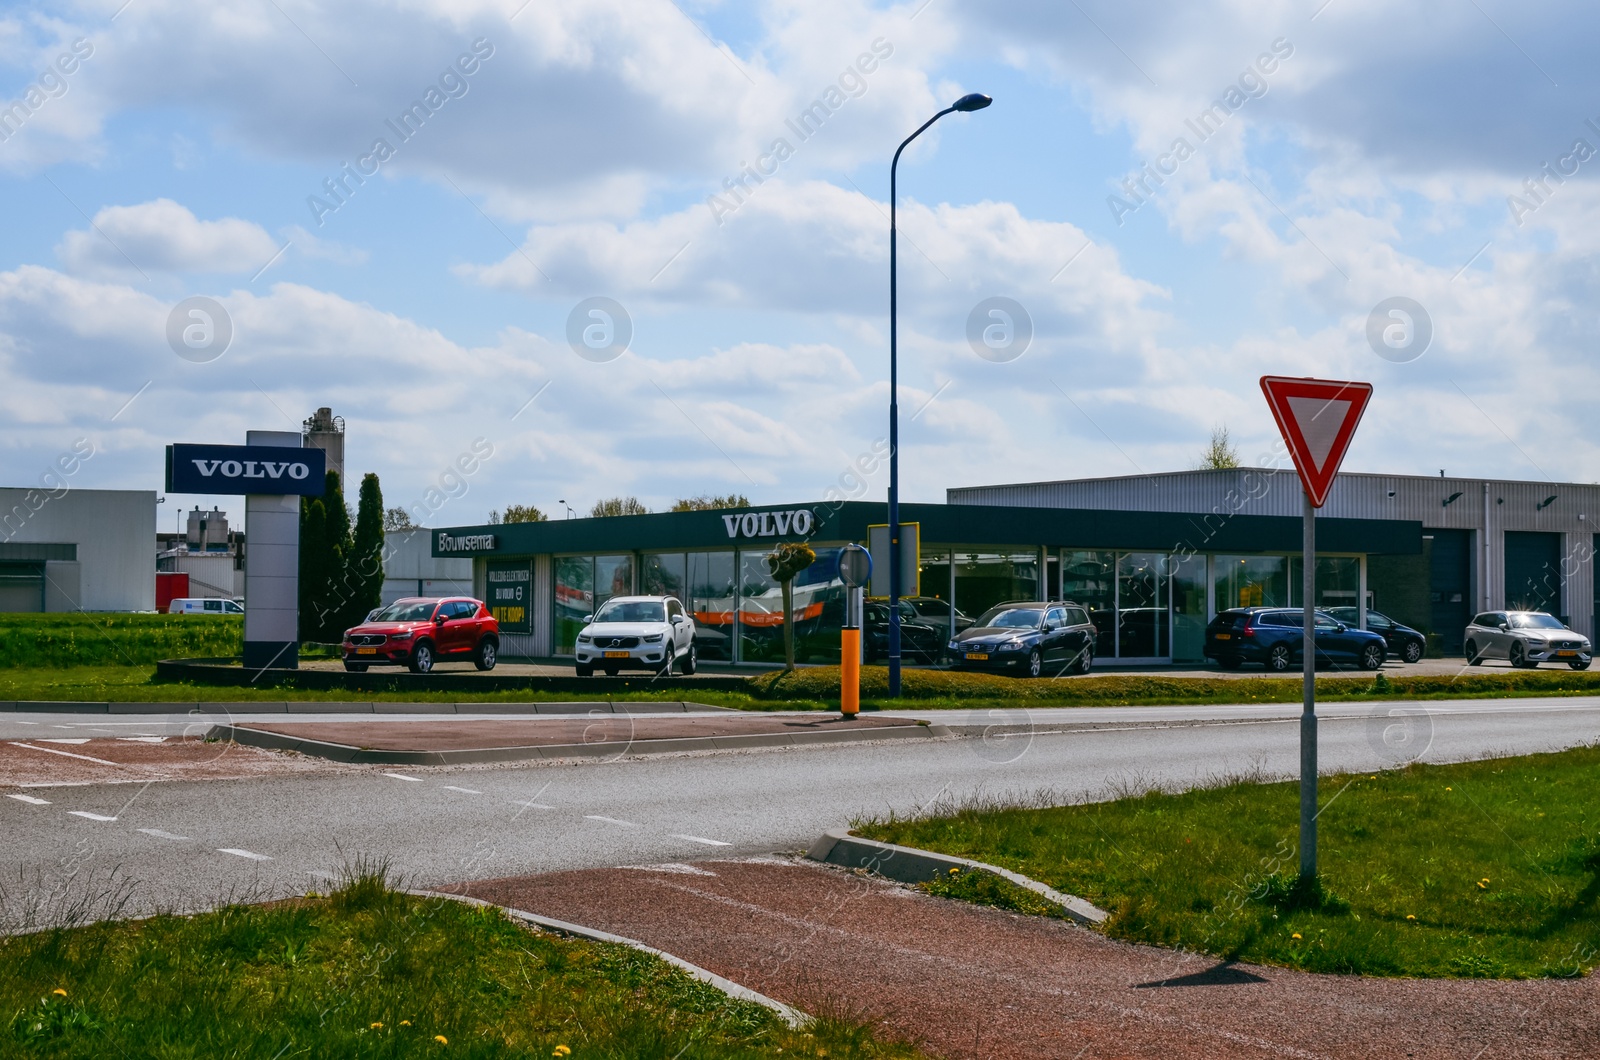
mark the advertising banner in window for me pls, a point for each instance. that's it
(510, 592)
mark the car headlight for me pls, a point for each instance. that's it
(1012, 645)
(584, 638)
(954, 645)
(407, 635)
(653, 638)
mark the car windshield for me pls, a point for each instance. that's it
(1011, 618)
(632, 611)
(406, 611)
(1535, 621)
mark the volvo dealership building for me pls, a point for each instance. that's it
(1153, 557)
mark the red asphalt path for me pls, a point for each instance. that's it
(966, 981)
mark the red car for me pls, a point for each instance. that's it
(419, 631)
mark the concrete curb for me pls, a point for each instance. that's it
(910, 865)
(222, 672)
(607, 749)
(313, 706)
(793, 1017)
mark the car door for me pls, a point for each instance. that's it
(455, 634)
(682, 632)
(1334, 641)
(1078, 639)
(1383, 627)
(1499, 639)
(1053, 645)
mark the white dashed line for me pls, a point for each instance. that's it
(609, 820)
(236, 852)
(159, 834)
(702, 839)
(27, 723)
(464, 791)
(30, 800)
(64, 739)
(90, 816)
(402, 776)
(68, 754)
(533, 805)
(143, 739)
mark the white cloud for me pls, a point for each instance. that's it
(162, 236)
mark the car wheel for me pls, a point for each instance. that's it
(1280, 658)
(666, 667)
(1228, 662)
(1579, 664)
(487, 655)
(1473, 658)
(1085, 659)
(422, 658)
(583, 671)
(356, 668)
(689, 661)
(1413, 651)
(1035, 663)
(1372, 657)
(1519, 656)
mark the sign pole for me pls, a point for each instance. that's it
(1308, 713)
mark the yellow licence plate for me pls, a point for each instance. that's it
(1224, 636)
(616, 655)
(977, 655)
(1565, 654)
(366, 651)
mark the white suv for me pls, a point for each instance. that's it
(637, 633)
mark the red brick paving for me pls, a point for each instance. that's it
(973, 982)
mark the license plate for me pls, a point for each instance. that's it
(616, 655)
(1224, 636)
(366, 651)
(1565, 654)
(978, 655)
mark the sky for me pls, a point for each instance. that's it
(641, 247)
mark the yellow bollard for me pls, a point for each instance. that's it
(849, 672)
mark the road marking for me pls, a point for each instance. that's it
(464, 791)
(159, 834)
(142, 739)
(533, 805)
(27, 723)
(609, 820)
(91, 816)
(30, 800)
(402, 776)
(68, 754)
(702, 839)
(64, 739)
(236, 852)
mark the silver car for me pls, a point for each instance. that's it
(637, 633)
(1526, 639)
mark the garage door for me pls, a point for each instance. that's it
(1533, 571)
(21, 587)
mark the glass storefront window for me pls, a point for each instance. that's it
(574, 592)
(1142, 605)
(662, 574)
(1087, 578)
(1251, 581)
(712, 595)
(984, 579)
(613, 576)
(1338, 581)
(1189, 616)
(760, 611)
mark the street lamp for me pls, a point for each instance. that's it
(972, 101)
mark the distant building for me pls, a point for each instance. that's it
(208, 551)
(82, 550)
(325, 431)
(411, 569)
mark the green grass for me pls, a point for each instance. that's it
(1481, 869)
(369, 972)
(932, 689)
(119, 640)
(987, 888)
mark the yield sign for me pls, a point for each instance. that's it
(1318, 418)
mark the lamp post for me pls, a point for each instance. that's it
(972, 101)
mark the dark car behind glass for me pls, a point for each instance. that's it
(1403, 641)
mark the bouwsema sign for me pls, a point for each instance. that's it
(245, 469)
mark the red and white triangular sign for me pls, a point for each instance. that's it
(1318, 418)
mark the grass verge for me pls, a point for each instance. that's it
(114, 639)
(954, 689)
(370, 972)
(1479, 869)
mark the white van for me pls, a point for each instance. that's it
(201, 605)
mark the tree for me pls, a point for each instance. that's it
(706, 502)
(1221, 454)
(398, 519)
(786, 561)
(363, 568)
(325, 546)
(618, 506)
(518, 513)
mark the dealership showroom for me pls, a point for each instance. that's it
(1153, 557)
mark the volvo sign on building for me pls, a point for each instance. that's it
(245, 469)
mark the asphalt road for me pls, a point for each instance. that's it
(187, 845)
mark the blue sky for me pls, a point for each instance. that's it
(1373, 161)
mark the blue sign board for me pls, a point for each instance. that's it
(244, 469)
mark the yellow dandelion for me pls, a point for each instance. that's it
(562, 1050)
(1410, 917)
(441, 1039)
(954, 871)
(1448, 788)
(376, 1027)
(405, 1023)
(1296, 935)
(58, 992)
